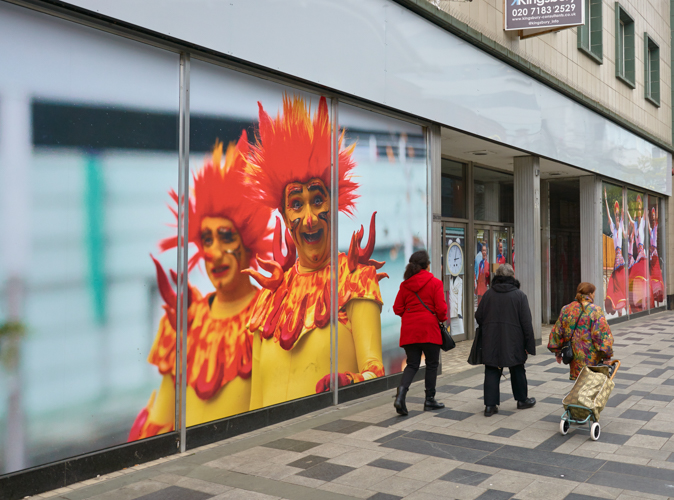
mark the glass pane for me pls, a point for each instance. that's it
(482, 275)
(656, 248)
(248, 180)
(637, 252)
(389, 159)
(88, 150)
(453, 189)
(614, 232)
(494, 195)
(454, 276)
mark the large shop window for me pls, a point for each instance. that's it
(633, 252)
(453, 189)
(389, 174)
(493, 193)
(88, 149)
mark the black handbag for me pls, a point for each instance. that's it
(567, 348)
(475, 356)
(447, 340)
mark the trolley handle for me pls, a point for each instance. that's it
(614, 365)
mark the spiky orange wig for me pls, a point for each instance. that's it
(224, 191)
(293, 148)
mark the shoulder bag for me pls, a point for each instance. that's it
(475, 356)
(567, 348)
(447, 340)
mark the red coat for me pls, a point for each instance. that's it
(419, 325)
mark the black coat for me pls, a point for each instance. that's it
(505, 318)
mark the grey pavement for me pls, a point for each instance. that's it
(364, 450)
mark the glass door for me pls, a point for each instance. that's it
(454, 276)
(481, 266)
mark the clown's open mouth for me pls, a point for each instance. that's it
(313, 238)
(220, 270)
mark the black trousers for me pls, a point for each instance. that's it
(492, 377)
(432, 353)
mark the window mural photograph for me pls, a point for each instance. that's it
(657, 252)
(639, 286)
(613, 237)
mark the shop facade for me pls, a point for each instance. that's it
(137, 150)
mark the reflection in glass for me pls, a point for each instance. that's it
(493, 195)
(92, 148)
(655, 249)
(454, 276)
(453, 189)
(615, 228)
(390, 158)
(637, 253)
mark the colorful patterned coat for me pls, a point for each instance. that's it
(592, 341)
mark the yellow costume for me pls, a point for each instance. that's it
(218, 368)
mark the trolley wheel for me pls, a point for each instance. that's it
(595, 431)
(564, 427)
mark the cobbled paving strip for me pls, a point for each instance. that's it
(364, 450)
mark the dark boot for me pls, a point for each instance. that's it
(431, 403)
(527, 403)
(399, 403)
(490, 410)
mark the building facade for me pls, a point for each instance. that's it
(256, 176)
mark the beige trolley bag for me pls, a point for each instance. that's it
(588, 397)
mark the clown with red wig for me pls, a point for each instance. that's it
(616, 298)
(290, 168)
(229, 230)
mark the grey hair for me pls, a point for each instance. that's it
(505, 270)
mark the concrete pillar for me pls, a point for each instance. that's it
(546, 296)
(591, 265)
(528, 233)
(435, 205)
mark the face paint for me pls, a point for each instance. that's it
(306, 213)
(224, 253)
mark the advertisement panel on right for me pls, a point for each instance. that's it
(657, 253)
(637, 253)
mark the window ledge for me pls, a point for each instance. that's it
(653, 101)
(630, 84)
(598, 59)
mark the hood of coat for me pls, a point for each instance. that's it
(504, 284)
(417, 282)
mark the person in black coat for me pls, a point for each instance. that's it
(507, 338)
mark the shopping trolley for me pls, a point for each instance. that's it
(588, 397)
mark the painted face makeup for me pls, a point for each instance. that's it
(224, 254)
(307, 213)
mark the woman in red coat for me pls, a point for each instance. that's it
(420, 332)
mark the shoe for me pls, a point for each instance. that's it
(431, 403)
(399, 403)
(490, 410)
(527, 403)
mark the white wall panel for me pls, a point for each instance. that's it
(377, 50)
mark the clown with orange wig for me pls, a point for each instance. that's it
(229, 230)
(290, 169)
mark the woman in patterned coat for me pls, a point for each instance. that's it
(592, 341)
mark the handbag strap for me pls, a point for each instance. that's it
(423, 304)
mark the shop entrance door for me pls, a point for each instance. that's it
(454, 277)
(493, 247)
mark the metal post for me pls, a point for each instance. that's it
(183, 203)
(334, 250)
